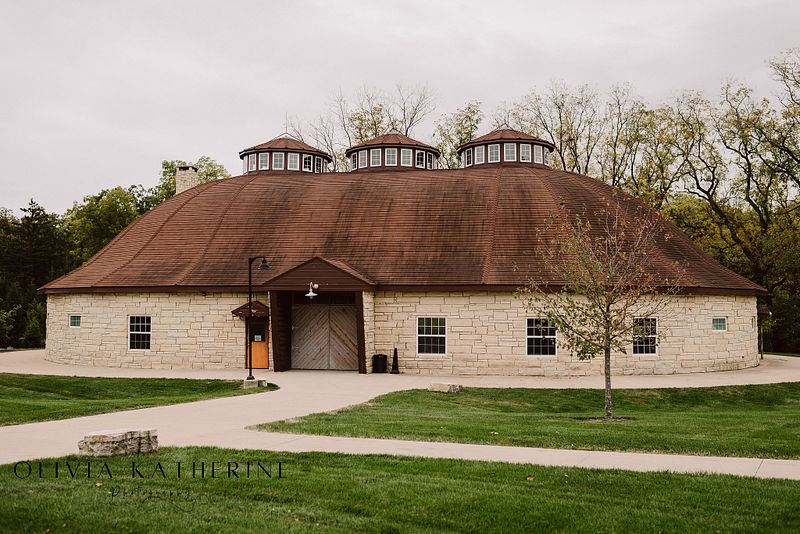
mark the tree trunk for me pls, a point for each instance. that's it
(607, 373)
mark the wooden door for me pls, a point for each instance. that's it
(258, 339)
(324, 337)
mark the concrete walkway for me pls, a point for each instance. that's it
(223, 422)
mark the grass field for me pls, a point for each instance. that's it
(758, 420)
(341, 493)
(30, 398)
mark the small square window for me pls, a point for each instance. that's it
(263, 161)
(277, 161)
(431, 335)
(375, 157)
(525, 153)
(362, 159)
(74, 321)
(308, 162)
(510, 152)
(405, 157)
(139, 329)
(494, 153)
(293, 163)
(420, 159)
(391, 156)
(645, 335)
(538, 152)
(479, 154)
(719, 324)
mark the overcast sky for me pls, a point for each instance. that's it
(97, 94)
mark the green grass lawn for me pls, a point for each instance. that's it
(759, 420)
(341, 493)
(30, 398)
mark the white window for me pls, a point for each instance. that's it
(431, 335)
(362, 159)
(293, 163)
(645, 335)
(74, 321)
(317, 164)
(420, 159)
(139, 328)
(430, 160)
(719, 324)
(375, 157)
(263, 161)
(391, 156)
(251, 162)
(405, 157)
(479, 155)
(541, 337)
(277, 161)
(494, 153)
(525, 153)
(538, 154)
(468, 157)
(354, 161)
(510, 152)
(308, 162)
(244, 164)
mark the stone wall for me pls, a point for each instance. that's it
(369, 326)
(189, 330)
(486, 334)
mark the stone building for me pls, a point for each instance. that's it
(396, 253)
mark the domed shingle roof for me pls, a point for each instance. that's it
(288, 144)
(506, 134)
(393, 139)
(444, 229)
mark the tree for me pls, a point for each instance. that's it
(455, 129)
(607, 281)
(98, 219)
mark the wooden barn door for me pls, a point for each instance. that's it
(324, 336)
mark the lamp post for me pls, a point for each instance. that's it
(261, 266)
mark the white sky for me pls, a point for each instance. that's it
(95, 94)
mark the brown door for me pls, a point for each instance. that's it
(324, 336)
(258, 338)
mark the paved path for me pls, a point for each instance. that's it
(223, 422)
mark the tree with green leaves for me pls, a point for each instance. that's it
(93, 223)
(455, 129)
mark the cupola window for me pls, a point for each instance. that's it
(430, 160)
(375, 157)
(510, 152)
(494, 153)
(391, 156)
(479, 154)
(468, 157)
(538, 154)
(525, 153)
(405, 157)
(354, 161)
(362, 159)
(277, 161)
(308, 162)
(263, 161)
(318, 164)
(251, 162)
(293, 164)
(420, 159)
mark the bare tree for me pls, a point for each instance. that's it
(606, 281)
(410, 107)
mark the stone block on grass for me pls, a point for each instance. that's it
(119, 442)
(444, 387)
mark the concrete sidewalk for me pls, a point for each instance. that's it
(223, 423)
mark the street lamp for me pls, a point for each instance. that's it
(261, 266)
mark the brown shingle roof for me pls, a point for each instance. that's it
(392, 139)
(425, 229)
(506, 134)
(286, 143)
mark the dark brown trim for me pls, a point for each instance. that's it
(362, 351)
(281, 314)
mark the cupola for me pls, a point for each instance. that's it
(392, 151)
(505, 146)
(284, 153)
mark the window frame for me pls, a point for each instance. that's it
(263, 157)
(293, 156)
(538, 154)
(529, 337)
(468, 158)
(244, 164)
(429, 161)
(725, 323)
(483, 155)
(417, 163)
(362, 159)
(489, 154)
(655, 336)
(372, 153)
(406, 152)
(393, 152)
(444, 335)
(278, 156)
(506, 146)
(251, 162)
(72, 316)
(310, 163)
(317, 164)
(354, 161)
(522, 148)
(148, 332)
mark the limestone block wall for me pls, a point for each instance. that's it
(189, 330)
(486, 334)
(369, 326)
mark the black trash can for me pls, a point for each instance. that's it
(379, 363)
